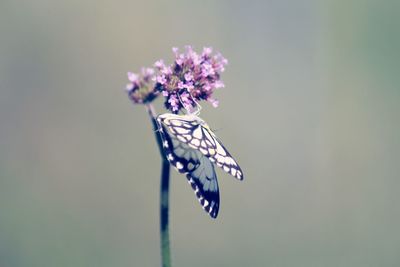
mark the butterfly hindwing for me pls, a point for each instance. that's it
(198, 168)
(196, 133)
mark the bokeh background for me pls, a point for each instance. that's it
(310, 110)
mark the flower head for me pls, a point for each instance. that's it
(141, 87)
(192, 77)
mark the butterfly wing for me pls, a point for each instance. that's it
(198, 135)
(199, 170)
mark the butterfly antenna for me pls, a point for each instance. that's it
(216, 130)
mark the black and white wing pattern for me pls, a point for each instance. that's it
(198, 168)
(194, 132)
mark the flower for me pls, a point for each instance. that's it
(191, 77)
(141, 88)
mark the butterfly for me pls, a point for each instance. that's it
(193, 149)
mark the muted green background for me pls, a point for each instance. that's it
(310, 110)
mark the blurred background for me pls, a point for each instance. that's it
(310, 111)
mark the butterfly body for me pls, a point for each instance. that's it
(193, 149)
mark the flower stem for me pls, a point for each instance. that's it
(164, 193)
(164, 223)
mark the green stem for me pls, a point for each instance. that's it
(164, 193)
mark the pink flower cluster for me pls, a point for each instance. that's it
(141, 86)
(190, 77)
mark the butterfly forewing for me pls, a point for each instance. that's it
(198, 169)
(195, 133)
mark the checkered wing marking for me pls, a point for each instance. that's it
(198, 169)
(200, 137)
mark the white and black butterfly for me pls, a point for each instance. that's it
(192, 148)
